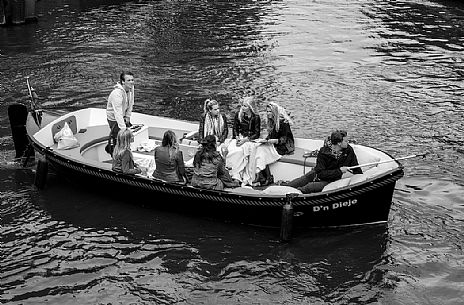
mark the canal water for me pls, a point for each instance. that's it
(390, 72)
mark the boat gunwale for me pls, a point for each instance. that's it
(339, 194)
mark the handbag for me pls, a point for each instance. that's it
(66, 138)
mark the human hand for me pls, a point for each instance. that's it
(224, 151)
(272, 141)
(345, 169)
(144, 170)
(242, 141)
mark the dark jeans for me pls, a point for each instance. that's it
(306, 183)
(114, 129)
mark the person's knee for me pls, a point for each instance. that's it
(312, 187)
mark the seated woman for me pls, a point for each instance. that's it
(278, 142)
(212, 122)
(169, 160)
(247, 127)
(209, 170)
(279, 131)
(247, 123)
(123, 161)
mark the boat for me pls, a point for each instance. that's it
(350, 201)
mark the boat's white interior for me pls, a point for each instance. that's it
(92, 130)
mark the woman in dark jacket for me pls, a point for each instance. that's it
(278, 142)
(278, 128)
(247, 123)
(209, 171)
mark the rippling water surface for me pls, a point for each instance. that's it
(390, 72)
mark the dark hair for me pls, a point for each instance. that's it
(337, 136)
(169, 138)
(170, 141)
(122, 77)
(207, 151)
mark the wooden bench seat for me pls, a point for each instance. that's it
(97, 134)
(298, 159)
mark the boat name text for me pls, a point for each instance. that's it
(335, 205)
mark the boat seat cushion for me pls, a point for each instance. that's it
(358, 178)
(337, 184)
(297, 158)
(246, 190)
(72, 123)
(370, 173)
(280, 190)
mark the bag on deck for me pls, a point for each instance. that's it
(66, 138)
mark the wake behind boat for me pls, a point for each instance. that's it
(356, 200)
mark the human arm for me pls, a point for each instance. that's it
(130, 106)
(201, 128)
(352, 160)
(222, 171)
(225, 131)
(180, 166)
(236, 127)
(255, 128)
(285, 133)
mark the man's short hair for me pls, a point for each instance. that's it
(337, 136)
(122, 77)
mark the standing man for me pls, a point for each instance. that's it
(332, 162)
(119, 107)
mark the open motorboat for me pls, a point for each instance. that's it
(356, 200)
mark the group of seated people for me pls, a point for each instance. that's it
(243, 160)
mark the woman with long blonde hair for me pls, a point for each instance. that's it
(241, 150)
(279, 141)
(169, 160)
(123, 161)
(247, 123)
(278, 129)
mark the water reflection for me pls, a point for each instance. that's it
(69, 240)
(90, 4)
(192, 52)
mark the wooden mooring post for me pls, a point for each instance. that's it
(286, 224)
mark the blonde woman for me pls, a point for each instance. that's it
(212, 122)
(123, 161)
(241, 150)
(279, 132)
(247, 123)
(279, 141)
(169, 160)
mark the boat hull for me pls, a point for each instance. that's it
(367, 203)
